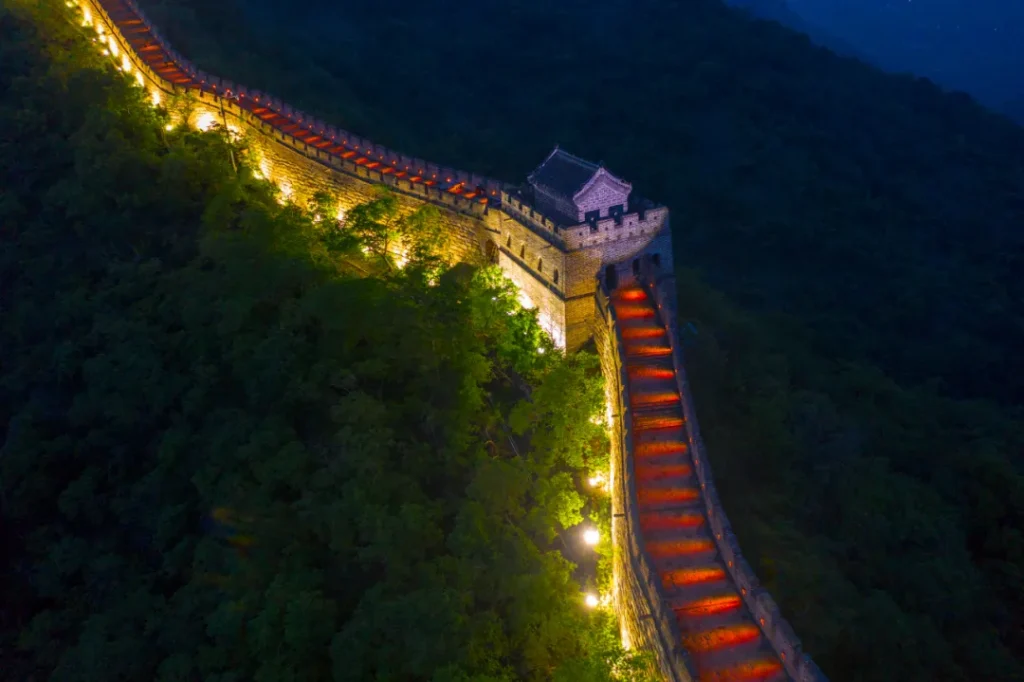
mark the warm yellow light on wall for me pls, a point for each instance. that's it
(286, 192)
(113, 48)
(205, 120)
(139, 79)
(86, 17)
(154, 97)
(341, 214)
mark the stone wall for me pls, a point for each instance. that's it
(555, 268)
(645, 621)
(660, 285)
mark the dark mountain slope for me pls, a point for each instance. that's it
(780, 11)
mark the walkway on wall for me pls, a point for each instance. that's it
(719, 634)
(139, 35)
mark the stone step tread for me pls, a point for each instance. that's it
(679, 596)
(736, 661)
(766, 668)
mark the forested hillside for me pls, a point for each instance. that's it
(857, 365)
(240, 443)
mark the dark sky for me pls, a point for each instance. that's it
(972, 45)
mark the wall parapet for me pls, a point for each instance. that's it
(336, 148)
(660, 287)
(665, 641)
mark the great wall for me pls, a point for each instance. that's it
(596, 262)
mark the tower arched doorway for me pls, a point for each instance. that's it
(611, 278)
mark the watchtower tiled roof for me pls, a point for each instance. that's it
(563, 173)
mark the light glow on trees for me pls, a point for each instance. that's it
(591, 536)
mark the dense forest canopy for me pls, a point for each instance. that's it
(207, 471)
(241, 443)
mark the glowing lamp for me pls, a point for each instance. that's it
(168, 127)
(591, 536)
(591, 601)
(540, 350)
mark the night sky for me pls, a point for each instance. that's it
(972, 45)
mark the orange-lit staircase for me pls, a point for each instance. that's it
(719, 634)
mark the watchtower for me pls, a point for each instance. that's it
(571, 222)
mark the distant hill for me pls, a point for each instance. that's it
(780, 11)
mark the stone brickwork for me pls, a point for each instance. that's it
(603, 194)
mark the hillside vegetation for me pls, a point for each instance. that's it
(234, 447)
(854, 243)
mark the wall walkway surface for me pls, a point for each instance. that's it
(682, 588)
(706, 614)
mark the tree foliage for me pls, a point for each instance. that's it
(229, 456)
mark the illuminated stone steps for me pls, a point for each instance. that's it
(712, 605)
(654, 399)
(661, 498)
(634, 312)
(690, 548)
(660, 449)
(631, 293)
(657, 472)
(670, 520)
(638, 350)
(720, 637)
(657, 422)
(763, 669)
(646, 332)
(651, 372)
